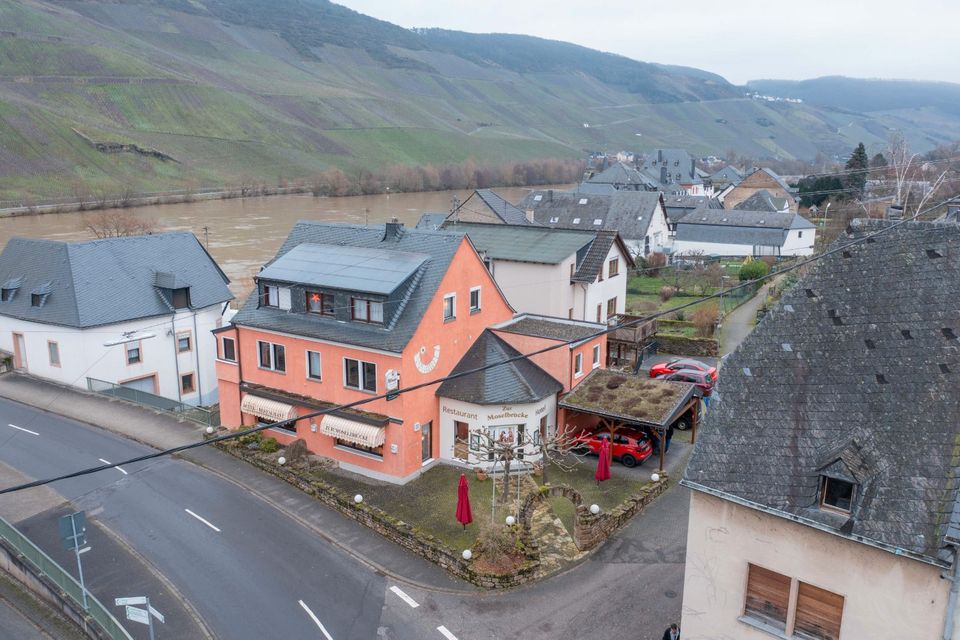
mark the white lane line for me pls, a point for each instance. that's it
(446, 633)
(206, 522)
(115, 467)
(400, 594)
(33, 433)
(315, 620)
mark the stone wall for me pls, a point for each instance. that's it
(681, 346)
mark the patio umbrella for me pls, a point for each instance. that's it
(603, 464)
(464, 513)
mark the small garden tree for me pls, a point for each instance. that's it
(753, 269)
(705, 319)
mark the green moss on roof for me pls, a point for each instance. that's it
(628, 397)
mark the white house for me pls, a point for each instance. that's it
(638, 216)
(135, 312)
(580, 275)
(721, 232)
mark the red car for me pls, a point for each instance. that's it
(677, 364)
(702, 380)
(629, 447)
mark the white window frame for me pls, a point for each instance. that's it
(362, 376)
(272, 365)
(453, 307)
(578, 365)
(223, 349)
(53, 353)
(319, 376)
(596, 356)
(270, 297)
(475, 309)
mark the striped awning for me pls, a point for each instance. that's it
(267, 409)
(366, 435)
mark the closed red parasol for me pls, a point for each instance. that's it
(464, 513)
(603, 464)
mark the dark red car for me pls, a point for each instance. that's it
(678, 364)
(701, 379)
(630, 447)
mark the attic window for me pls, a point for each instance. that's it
(576, 221)
(537, 198)
(881, 379)
(181, 298)
(933, 254)
(36, 300)
(639, 218)
(761, 222)
(906, 334)
(847, 254)
(786, 347)
(948, 333)
(746, 372)
(870, 343)
(583, 201)
(554, 220)
(810, 293)
(944, 368)
(788, 308)
(597, 221)
(871, 240)
(6, 295)
(836, 494)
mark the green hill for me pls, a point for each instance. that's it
(268, 90)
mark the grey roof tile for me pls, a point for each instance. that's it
(627, 212)
(559, 329)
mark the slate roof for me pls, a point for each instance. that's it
(431, 221)
(627, 212)
(520, 381)
(485, 206)
(773, 174)
(407, 308)
(727, 175)
(736, 226)
(763, 200)
(853, 374)
(591, 264)
(559, 329)
(101, 282)
(524, 244)
(621, 174)
(675, 161)
(678, 206)
(595, 188)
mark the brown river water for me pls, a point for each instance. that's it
(243, 233)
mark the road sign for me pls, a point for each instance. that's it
(73, 530)
(138, 615)
(156, 614)
(125, 601)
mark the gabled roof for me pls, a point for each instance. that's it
(621, 174)
(517, 382)
(853, 372)
(727, 175)
(771, 173)
(485, 206)
(591, 265)
(523, 244)
(409, 306)
(432, 221)
(675, 161)
(678, 206)
(736, 226)
(559, 329)
(763, 200)
(595, 188)
(627, 212)
(100, 282)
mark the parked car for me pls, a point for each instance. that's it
(630, 447)
(701, 379)
(677, 364)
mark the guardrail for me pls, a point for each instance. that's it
(201, 415)
(69, 587)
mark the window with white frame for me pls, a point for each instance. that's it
(474, 299)
(449, 307)
(133, 353)
(360, 375)
(367, 310)
(229, 350)
(313, 365)
(613, 267)
(578, 364)
(270, 296)
(596, 356)
(272, 356)
(53, 351)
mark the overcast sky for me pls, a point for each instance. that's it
(739, 39)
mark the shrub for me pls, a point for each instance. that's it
(655, 262)
(269, 445)
(251, 438)
(666, 292)
(753, 270)
(705, 318)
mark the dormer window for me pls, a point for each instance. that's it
(836, 494)
(36, 300)
(367, 310)
(270, 296)
(181, 298)
(7, 294)
(321, 303)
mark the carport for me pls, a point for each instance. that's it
(620, 400)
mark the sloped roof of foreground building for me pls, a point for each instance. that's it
(852, 376)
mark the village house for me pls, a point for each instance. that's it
(738, 233)
(674, 171)
(760, 179)
(677, 207)
(763, 200)
(345, 312)
(128, 315)
(580, 275)
(638, 216)
(725, 177)
(623, 177)
(824, 498)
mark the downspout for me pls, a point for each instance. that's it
(954, 577)
(584, 288)
(176, 355)
(196, 350)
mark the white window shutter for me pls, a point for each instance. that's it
(285, 298)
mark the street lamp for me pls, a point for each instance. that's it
(511, 521)
(467, 554)
(655, 477)
(594, 509)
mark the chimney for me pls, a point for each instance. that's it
(392, 230)
(529, 213)
(693, 167)
(549, 195)
(663, 175)
(895, 212)
(660, 155)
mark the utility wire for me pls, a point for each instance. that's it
(393, 394)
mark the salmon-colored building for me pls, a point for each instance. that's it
(347, 312)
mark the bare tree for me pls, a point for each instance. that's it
(118, 224)
(901, 163)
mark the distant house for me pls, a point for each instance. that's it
(735, 232)
(623, 177)
(136, 312)
(638, 216)
(485, 206)
(677, 207)
(824, 500)
(757, 180)
(763, 200)
(674, 171)
(580, 275)
(726, 176)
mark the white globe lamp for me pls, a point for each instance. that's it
(594, 509)
(358, 498)
(655, 477)
(281, 461)
(511, 521)
(467, 554)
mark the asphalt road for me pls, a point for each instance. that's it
(247, 569)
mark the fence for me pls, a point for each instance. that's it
(201, 415)
(68, 586)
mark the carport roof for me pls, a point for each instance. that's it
(628, 398)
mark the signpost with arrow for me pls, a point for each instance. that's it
(143, 616)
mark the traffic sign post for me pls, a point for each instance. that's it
(73, 533)
(143, 616)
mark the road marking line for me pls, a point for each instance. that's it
(115, 467)
(34, 433)
(400, 594)
(446, 633)
(315, 619)
(206, 522)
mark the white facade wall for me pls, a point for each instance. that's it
(495, 419)
(885, 595)
(799, 242)
(600, 292)
(543, 289)
(658, 235)
(681, 247)
(83, 354)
